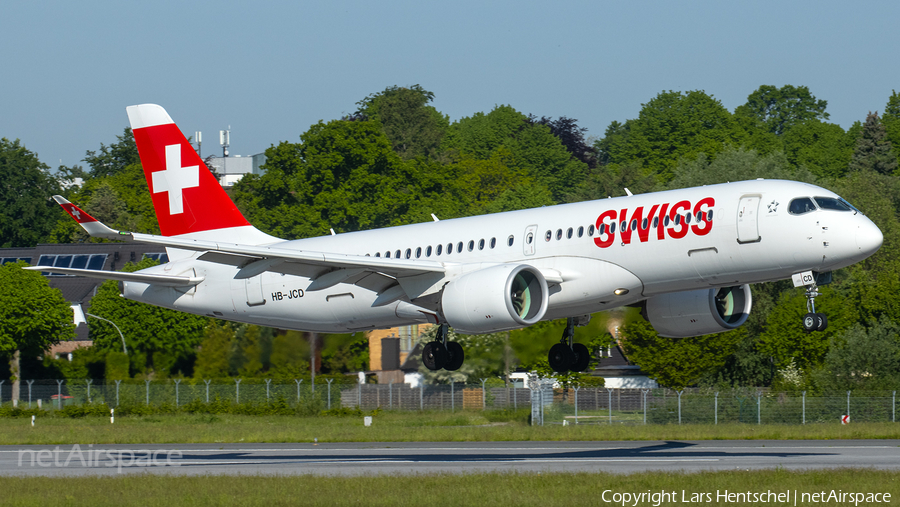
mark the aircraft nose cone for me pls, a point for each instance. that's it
(868, 239)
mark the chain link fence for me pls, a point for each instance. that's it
(548, 405)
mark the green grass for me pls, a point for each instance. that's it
(471, 426)
(513, 489)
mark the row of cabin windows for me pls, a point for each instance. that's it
(569, 233)
(438, 250)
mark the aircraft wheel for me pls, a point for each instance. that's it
(582, 357)
(434, 355)
(561, 358)
(822, 322)
(810, 322)
(456, 356)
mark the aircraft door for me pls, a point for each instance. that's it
(253, 286)
(747, 224)
(529, 239)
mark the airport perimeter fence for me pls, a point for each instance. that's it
(548, 405)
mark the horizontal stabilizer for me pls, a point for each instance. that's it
(163, 280)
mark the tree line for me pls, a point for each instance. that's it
(397, 159)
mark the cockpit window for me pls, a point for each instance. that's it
(831, 203)
(801, 205)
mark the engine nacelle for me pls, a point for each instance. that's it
(698, 312)
(499, 298)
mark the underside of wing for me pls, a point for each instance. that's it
(164, 280)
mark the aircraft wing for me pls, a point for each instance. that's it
(164, 280)
(328, 268)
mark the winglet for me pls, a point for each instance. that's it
(90, 224)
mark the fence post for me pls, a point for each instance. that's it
(452, 398)
(894, 407)
(207, 382)
(177, 381)
(804, 407)
(359, 396)
(29, 382)
(329, 392)
(576, 404)
(848, 403)
(298, 382)
(717, 407)
(645, 392)
(147, 400)
(268, 381)
(483, 397)
(1, 392)
(59, 384)
(390, 394)
(237, 390)
(758, 407)
(679, 405)
(117, 391)
(609, 391)
(422, 395)
(89, 381)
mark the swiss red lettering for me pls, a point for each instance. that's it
(669, 221)
(605, 231)
(700, 210)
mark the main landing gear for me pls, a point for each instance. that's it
(566, 355)
(443, 354)
(813, 321)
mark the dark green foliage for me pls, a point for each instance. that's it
(873, 150)
(32, 315)
(780, 108)
(863, 358)
(414, 128)
(27, 214)
(114, 158)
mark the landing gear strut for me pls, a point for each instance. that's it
(813, 321)
(443, 354)
(566, 355)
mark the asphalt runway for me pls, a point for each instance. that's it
(445, 457)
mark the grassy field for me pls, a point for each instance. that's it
(393, 427)
(514, 489)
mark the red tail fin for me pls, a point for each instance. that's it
(186, 196)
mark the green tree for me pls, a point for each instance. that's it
(27, 214)
(32, 316)
(891, 120)
(147, 329)
(823, 148)
(864, 358)
(215, 351)
(414, 128)
(734, 164)
(677, 362)
(779, 108)
(873, 151)
(115, 157)
(290, 356)
(672, 126)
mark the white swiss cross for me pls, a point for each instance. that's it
(76, 213)
(174, 179)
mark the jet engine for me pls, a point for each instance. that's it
(698, 312)
(498, 298)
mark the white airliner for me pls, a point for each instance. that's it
(686, 256)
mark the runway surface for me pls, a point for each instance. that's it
(444, 457)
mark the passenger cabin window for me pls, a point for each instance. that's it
(801, 205)
(418, 252)
(493, 242)
(459, 247)
(591, 230)
(481, 244)
(428, 251)
(471, 245)
(509, 241)
(438, 250)
(580, 231)
(830, 203)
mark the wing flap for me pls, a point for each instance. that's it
(163, 280)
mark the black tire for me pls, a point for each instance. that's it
(434, 355)
(560, 358)
(810, 322)
(456, 356)
(582, 357)
(823, 322)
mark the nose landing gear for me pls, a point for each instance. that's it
(566, 355)
(813, 321)
(440, 353)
